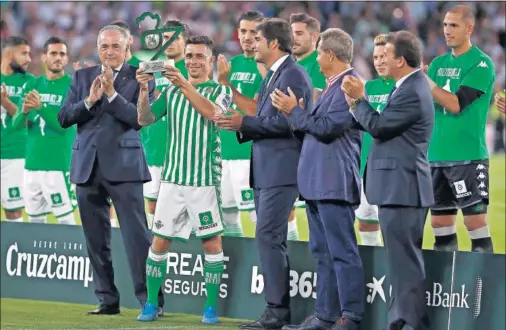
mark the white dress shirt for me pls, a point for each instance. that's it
(275, 67)
(400, 81)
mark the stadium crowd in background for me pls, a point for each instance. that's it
(462, 84)
(78, 22)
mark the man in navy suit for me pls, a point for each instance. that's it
(398, 176)
(329, 181)
(108, 160)
(275, 155)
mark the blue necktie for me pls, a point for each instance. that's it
(267, 78)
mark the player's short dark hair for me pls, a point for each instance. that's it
(466, 12)
(407, 45)
(252, 16)
(122, 24)
(201, 40)
(52, 41)
(313, 25)
(277, 29)
(177, 23)
(14, 41)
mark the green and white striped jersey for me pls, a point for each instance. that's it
(193, 156)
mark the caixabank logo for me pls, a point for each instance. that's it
(437, 296)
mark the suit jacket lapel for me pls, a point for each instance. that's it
(320, 101)
(330, 92)
(275, 76)
(121, 79)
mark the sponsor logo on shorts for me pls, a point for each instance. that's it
(206, 221)
(56, 199)
(14, 193)
(461, 189)
(247, 195)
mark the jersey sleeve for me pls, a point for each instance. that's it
(431, 72)
(159, 106)
(480, 76)
(222, 97)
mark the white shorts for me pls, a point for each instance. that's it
(366, 212)
(152, 188)
(49, 191)
(235, 188)
(183, 208)
(12, 171)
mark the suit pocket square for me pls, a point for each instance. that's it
(384, 164)
(130, 143)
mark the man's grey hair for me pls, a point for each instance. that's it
(124, 34)
(339, 42)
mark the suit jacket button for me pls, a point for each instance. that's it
(98, 126)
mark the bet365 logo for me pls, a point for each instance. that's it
(151, 39)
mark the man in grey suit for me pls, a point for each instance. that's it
(329, 180)
(274, 160)
(398, 177)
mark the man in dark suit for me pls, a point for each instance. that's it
(108, 160)
(275, 155)
(398, 177)
(329, 181)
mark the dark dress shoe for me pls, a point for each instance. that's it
(105, 310)
(346, 324)
(266, 321)
(311, 323)
(398, 325)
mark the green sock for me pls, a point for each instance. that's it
(213, 269)
(156, 269)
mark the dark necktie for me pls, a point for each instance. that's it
(267, 78)
(391, 93)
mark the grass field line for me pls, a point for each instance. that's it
(130, 328)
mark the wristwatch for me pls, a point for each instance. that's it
(357, 101)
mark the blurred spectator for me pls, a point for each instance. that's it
(79, 22)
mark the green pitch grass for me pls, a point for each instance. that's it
(496, 214)
(32, 314)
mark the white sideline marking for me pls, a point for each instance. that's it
(142, 328)
(135, 328)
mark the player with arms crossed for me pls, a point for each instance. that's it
(462, 84)
(14, 75)
(190, 183)
(377, 92)
(245, 75)
(154, 137)
(306, 32)
(49, 146)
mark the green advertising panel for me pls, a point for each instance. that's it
(465, 291)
